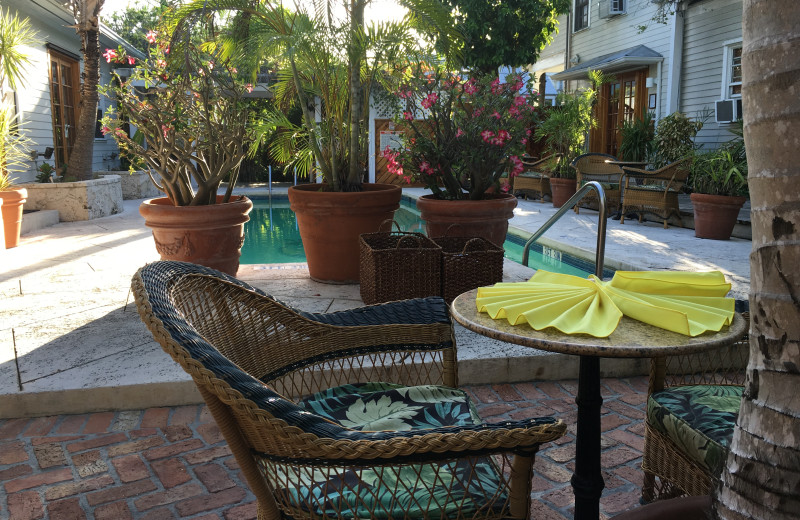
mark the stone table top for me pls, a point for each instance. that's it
(631, 338)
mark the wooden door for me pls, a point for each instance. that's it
(622, 99)
(64, 89)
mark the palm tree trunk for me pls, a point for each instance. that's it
(80, 158)
(356, 93)
(762, 474)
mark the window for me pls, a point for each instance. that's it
(98, 125)
(581, 14)
(729, 107)
(734, 73)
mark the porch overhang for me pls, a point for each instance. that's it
(624, 60)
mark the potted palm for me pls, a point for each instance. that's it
(329, 60)
(15, 35)
(465, 150)
(192, 133)
(564, 129)
(719, 183)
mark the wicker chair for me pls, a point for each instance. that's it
(266, 370)
(593, 167)
(692, 407)
(654, 191)
(533, 183)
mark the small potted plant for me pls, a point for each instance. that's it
(192, 132)
(719, 189)
(463, 139)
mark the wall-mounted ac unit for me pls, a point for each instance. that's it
(728, 110)
(609, 8)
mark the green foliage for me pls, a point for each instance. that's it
(135, 21)
(509, 33)
(566, 127)
(45, 173)
(674, 138)
(722, 171)
(474, 130)
(638, 139)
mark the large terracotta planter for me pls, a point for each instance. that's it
(330, 224)
(715, 215)
(473, 218)
(561, 190)
(209, 235)
(12, 214)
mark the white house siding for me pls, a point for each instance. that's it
(551, 58)
(708, 26)
(607, 35)
(33, 97)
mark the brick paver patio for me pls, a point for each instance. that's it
(165, 463)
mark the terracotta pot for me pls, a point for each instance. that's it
(473, 218)
(12, 214)
(561, 190)
(210, 235)
(715, 215)
(330, 224)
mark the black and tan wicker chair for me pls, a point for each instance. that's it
(593, 167)
(295, 395)
(654, 191)
(692, 408)
(532, 182)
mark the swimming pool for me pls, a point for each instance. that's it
(272, 237)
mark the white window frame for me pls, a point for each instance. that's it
(575, 15)
(727, 63)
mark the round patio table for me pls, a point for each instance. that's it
(631, 338)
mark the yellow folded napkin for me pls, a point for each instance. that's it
(687, 303)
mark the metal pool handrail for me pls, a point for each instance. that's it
(601, 225)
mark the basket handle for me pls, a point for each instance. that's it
(474, 244)
(413, 238)
(391, 221)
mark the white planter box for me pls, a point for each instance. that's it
(136, 185)
(80, 200)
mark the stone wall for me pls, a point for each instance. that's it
(80, 200)
(136, 185)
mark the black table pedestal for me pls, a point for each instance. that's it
(587, 482)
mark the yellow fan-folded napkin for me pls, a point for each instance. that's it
(687, 303)
(570, 304)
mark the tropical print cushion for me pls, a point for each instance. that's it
(434, 489)
(699, 419)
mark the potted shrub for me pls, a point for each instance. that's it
(15, 35)
(329, 61)
(564, 130)
(638, 139)
(192, 133)
(719, 183)
(465, 150)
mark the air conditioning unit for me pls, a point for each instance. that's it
(728, 110)
(616, 7)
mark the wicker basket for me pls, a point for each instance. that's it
(468, 263)
(397, 265)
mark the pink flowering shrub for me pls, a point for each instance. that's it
(462, 135)
(192, 125)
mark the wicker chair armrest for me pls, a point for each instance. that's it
(418, 311)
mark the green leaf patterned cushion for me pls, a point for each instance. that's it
(445, 487)
(699, 419)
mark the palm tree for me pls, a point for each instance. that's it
(87, 25)
(762, 475)
(331, 59)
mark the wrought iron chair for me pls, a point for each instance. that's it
(655, 191)
(532, 181)
(294, 394)
(593, 167)
(692, 407)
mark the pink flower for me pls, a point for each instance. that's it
(249, 87)
(496, 115)
(459, 133)
(517, 166)
(234, 70)
(407, 116)
(477, 112)
(110, 55)
(496, 86)
(210, 65)
(425, 167)
(161, 64)
(517, 86)
(131, 60)
(514, 111)
(504, 135)
(105, 130)
(165, 130)
(487, 136)
(505, 187)
(497, 141)
(524, 141)
(430, 100)
(151, 37)
(528, 132)
(470, 87)
(519, 100)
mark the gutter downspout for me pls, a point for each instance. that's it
(568, 50)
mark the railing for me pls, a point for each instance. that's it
(601, 224)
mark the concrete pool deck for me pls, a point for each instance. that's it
(72, 342)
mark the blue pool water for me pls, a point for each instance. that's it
(272, 237)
